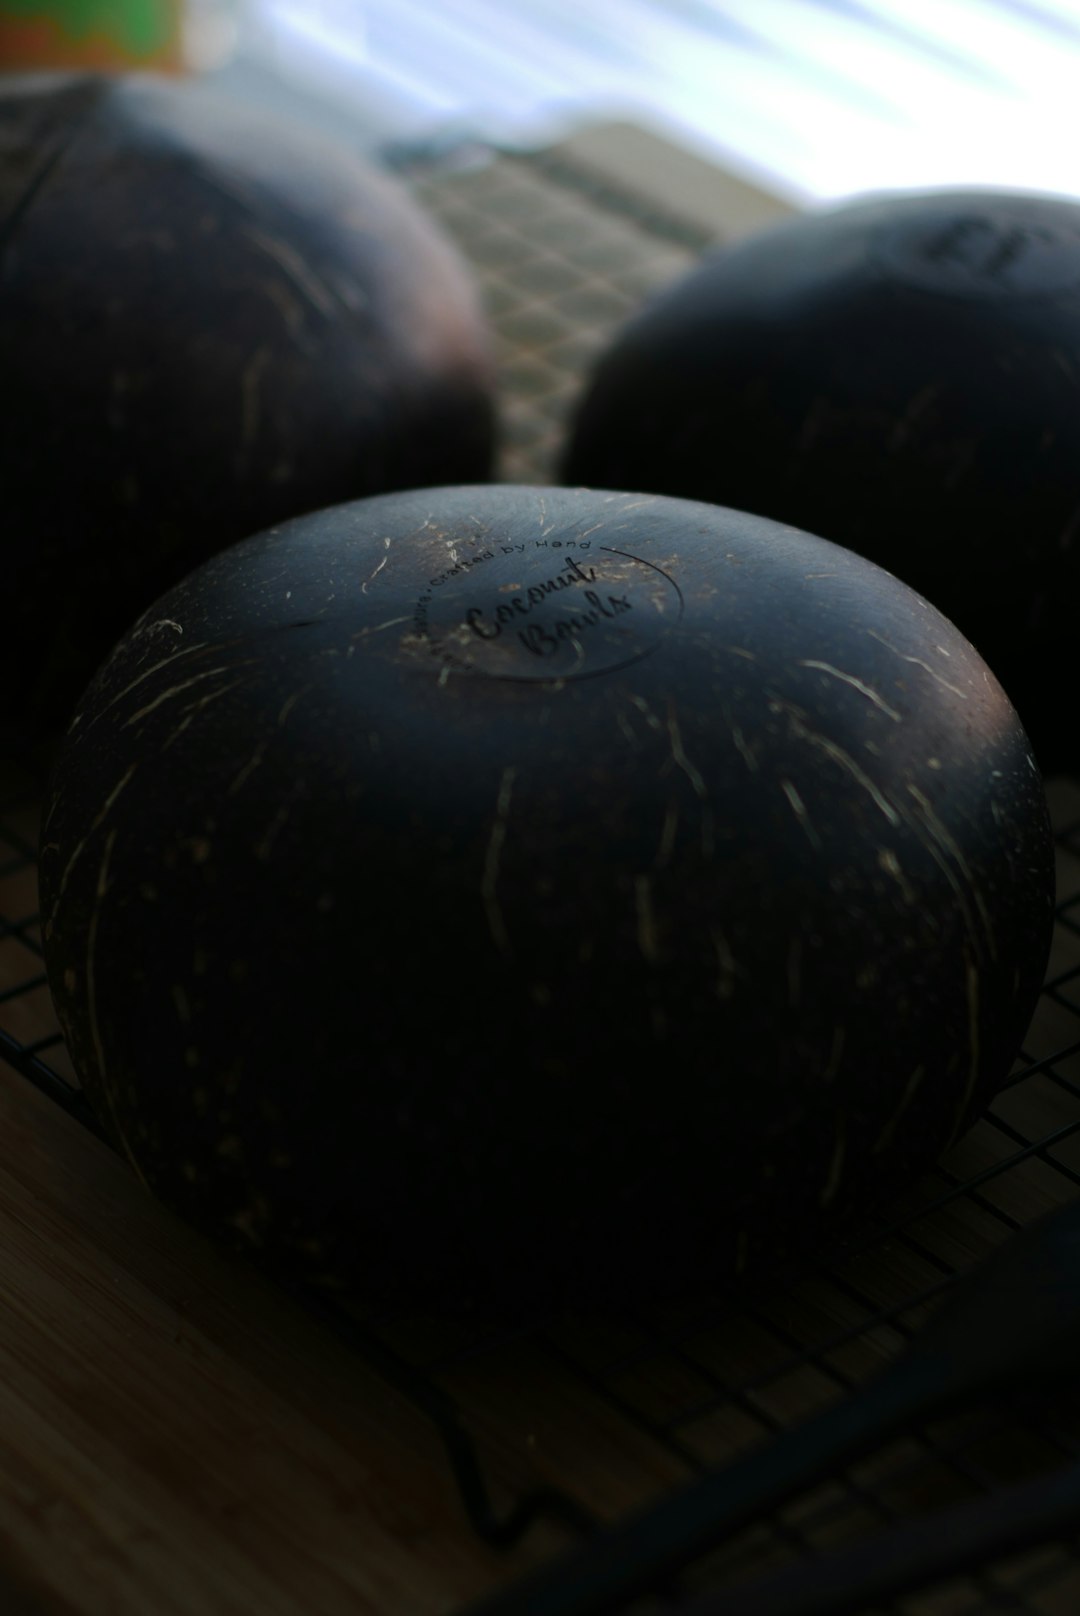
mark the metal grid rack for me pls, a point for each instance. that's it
(630, 1408)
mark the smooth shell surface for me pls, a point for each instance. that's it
(513, 893)
(210, 320)
(900, 374)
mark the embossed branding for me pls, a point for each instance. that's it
(543, 639)
(543, 609)
(1003, 250)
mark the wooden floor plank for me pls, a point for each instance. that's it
(177, 1437)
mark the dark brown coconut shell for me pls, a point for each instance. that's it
(900, 374)
(513, 893)
(210, 320)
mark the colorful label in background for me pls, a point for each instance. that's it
(105, 35)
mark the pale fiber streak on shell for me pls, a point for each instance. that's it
(856, 684)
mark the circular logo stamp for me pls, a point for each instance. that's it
(543, 609)
(993, 250)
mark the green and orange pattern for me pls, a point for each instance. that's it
(105, 35)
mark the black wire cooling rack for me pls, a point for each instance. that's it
(595, 1418)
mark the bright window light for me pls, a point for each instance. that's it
(823, 98)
